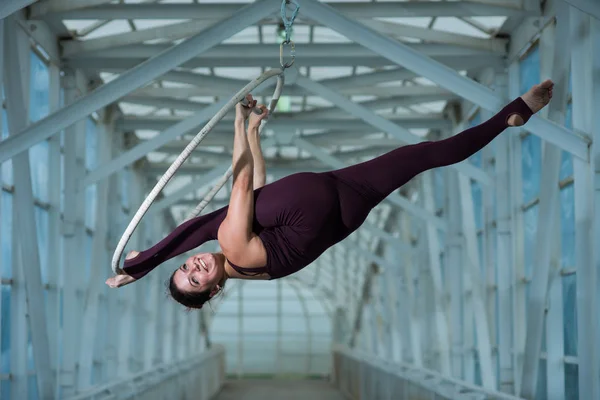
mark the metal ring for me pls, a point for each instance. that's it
(285, 65)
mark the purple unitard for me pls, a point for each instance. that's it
(302, 215)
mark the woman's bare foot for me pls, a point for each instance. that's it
(132, 254)
(536, 98)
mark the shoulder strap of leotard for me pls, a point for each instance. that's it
(248, 271)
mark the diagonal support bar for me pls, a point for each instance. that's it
(591, 7)
(136, 78)
(381, 123)
(9, 7)
(16, 72)
(139, 151)
(440, 74)
(173, 198)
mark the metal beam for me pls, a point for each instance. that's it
(45, 7)
(10, 7)
(440, 309)
(353, 10)
(395, 29)
(199, 183)
(91, 63)
(167, 32)
(287, 122)
(293, 90)
(135, 78)
(555, 50)
(590, 7)
(442, 75)
(321, 112)
(184, 29)
(227, 85)
(394, 198)
(382, 123)
(173, 131)
(224, 52)
(585, 65)
(476, 284)
(16, 75)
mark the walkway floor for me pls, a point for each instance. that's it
(278, 389)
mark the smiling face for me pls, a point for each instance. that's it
(201, 272)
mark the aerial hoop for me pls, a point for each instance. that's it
(238, 97)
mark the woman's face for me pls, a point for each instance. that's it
(201, 272)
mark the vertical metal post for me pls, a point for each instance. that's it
(585, 64)
(473, 277)
(454, 268)
(90, 324)
(518, 259)
(555, 350)
(54, 224)
(504, 257)
(555, 61)
(435, 268)
(16, 78)
(413, 316)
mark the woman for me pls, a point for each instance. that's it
(268, 232)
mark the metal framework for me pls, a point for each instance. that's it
(466, 280)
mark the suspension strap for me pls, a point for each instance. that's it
(288, 23)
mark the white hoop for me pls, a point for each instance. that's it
(239, 96)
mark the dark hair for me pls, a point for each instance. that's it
(190, 300)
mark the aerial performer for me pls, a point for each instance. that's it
(272, 231)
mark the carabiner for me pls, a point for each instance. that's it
(285, 65)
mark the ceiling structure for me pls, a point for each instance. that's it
(110, 37)
(104, 39)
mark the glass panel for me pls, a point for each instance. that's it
(7, 171)
(566, 166)
(530, 70)
(542, 385)
(41, 221)
(530, 224)
(6, 235)
(569, 285)
(5, 333)
(531, 165)
(571, 381)
(90, 206)
(38, 161)
(39, 96)
(567, 226)
(91, 144)
(477, 204)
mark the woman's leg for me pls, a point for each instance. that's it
(377, 178)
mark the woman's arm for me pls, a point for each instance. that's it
(260, 172)
(236, 238)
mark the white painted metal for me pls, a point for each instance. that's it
(379, 122)
(590, 7)
(8, 8)
(135, 78)
(351, 9)
(585, 64)
(438, 73)
(28, 267)
(555, 61)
